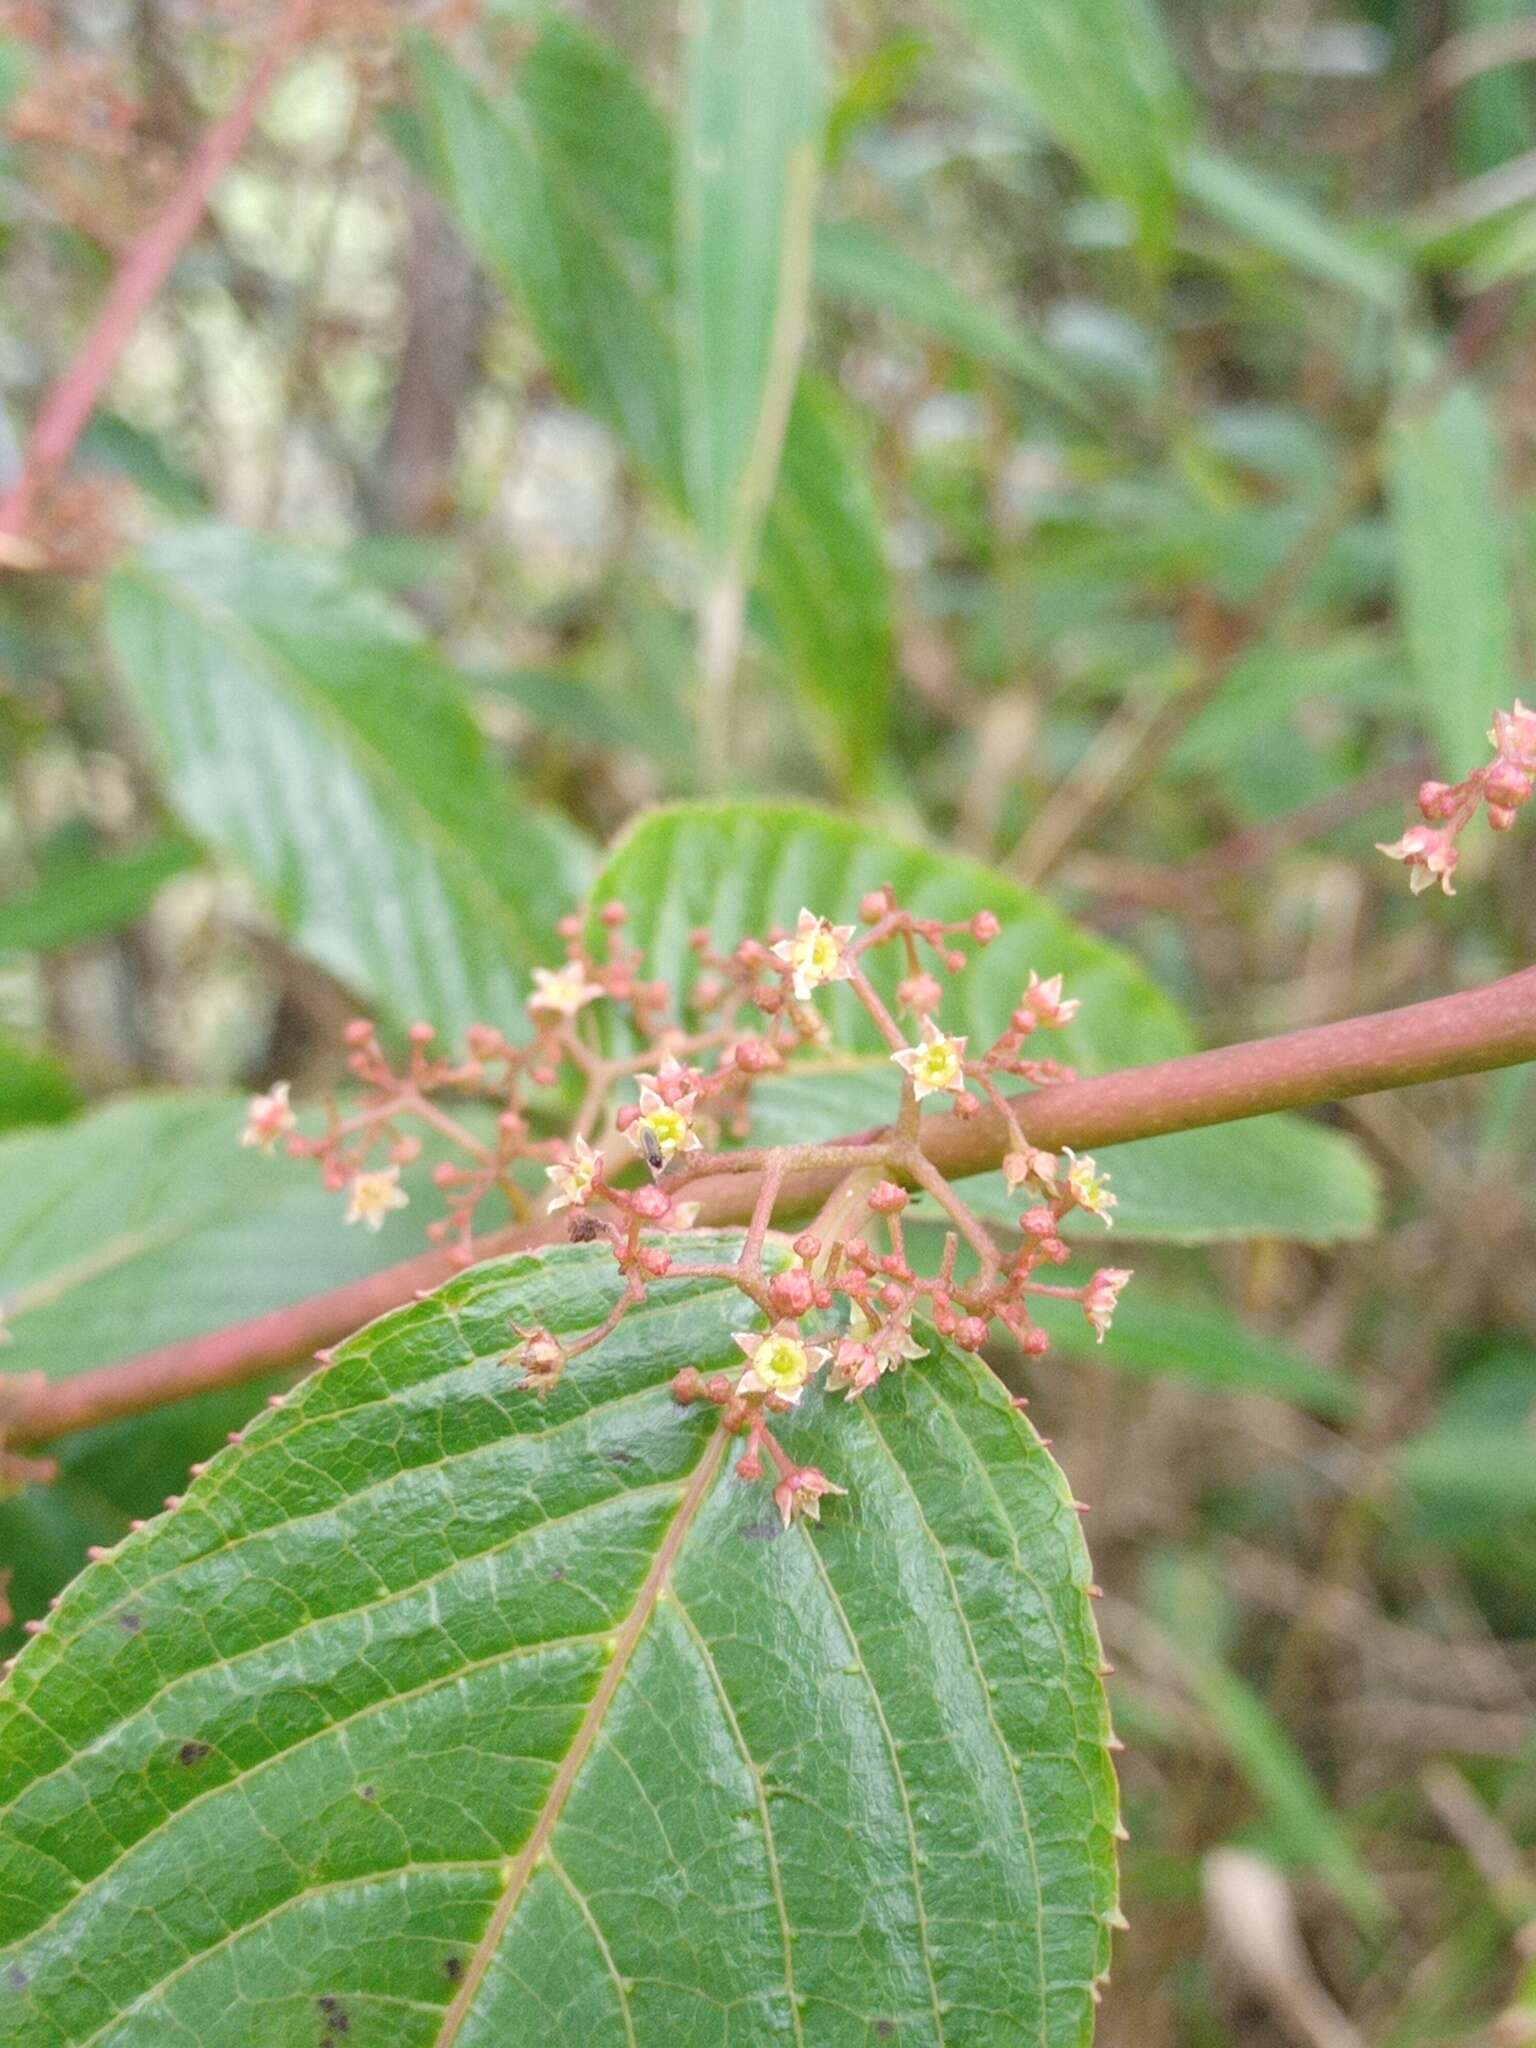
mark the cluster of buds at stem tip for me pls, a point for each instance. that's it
(1500, 787)
(662, 1081)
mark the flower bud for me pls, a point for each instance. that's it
(888, 1199)
(791, 1293)
(984, 927)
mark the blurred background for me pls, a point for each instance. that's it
(1157, 508)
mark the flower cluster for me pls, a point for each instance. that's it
(1501, 786)
(845, 1303)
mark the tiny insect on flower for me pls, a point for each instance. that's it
(1088, 1187)
(801, 1492)
(1102, 1297)
(268, 1118)
(937, 1066)
(664, 1127)
(780, 1363)
(814, 955)
(562, 991)
(1043, 999)
(574, 1177)
(373, 1195)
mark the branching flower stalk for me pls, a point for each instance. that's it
(843, 1306)
(1500, 787)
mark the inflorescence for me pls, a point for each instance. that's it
(1501, 786)
(843, 1308)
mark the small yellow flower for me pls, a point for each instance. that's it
(562, 991)
(574, 1178)
(1088, 1187)
(374, 1195)
(268, 1118)
(779, 1363)
(815, 954)
(664, 1126)
(937, 1066)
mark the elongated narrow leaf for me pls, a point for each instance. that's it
(1265, 213)
(1100, 76)
(858, 264)
(435, 1716)
(305, 728)
(748, 149)
(1452, 577)
(576, 257)
(823, 578)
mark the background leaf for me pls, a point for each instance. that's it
(1452, 578)
(82, 893)
(1101, 77)
(477, 1715)
(748, 147)
(305, 728)
(1262, 211)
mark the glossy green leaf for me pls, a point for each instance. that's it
(1444, 477)
(858, 264)
(1271, 1176)
(1264, 212)
(304, 727)
(748, 146)
(146, 1221)
(573, 248)
(1100, 75)
(736, 868)
(823, 579)
(435, 1716)
(82, 894)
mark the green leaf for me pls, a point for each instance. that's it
(82, 894)
(304, 727)
(36, 1087)
(747, 173)
(146, 1222)
(1444, 478)
(859, 265)
(566, 235)
(1101, 77)
(1270, 1176)
(437, 1715)
(1262, 211)
(736, 868)
(823, 580)
(1158, 1336)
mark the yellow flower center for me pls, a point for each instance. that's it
(937, 1067)
(669, 1127)
(781, 1363)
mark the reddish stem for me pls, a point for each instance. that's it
(1460, 1034)
(64, 413)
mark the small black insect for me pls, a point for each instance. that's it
(655, 1158)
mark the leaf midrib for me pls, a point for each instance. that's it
(625, 1644)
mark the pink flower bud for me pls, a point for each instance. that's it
(1499, 819)
(1507, 786)
(984, 927)
(791, 1293)
(874, 905)
(688, 1385)
(888, 1199)
(1034, 1343)
(1039, 1222)
(807, 1246)
(422, 1034)
(920, 994)
(655, 1260)
(358, 1033)
(650, 1202)
(971, 1332)
(1436, 800)
(614, 913)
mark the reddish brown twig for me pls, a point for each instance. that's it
(1459, 1034)
(64, 413)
